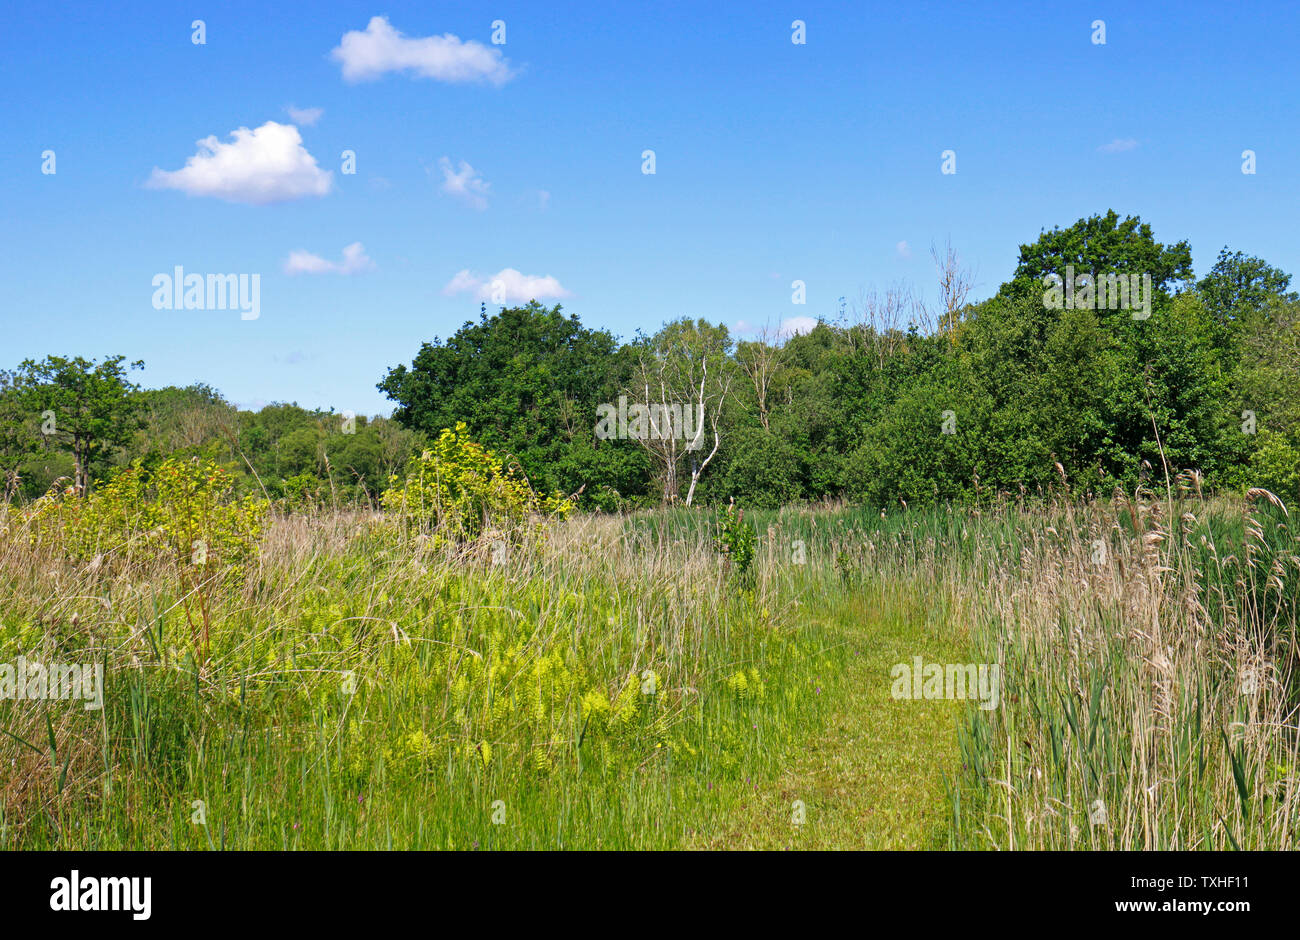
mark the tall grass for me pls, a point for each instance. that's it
(613, 684)
(601, 687)
(1149, 652)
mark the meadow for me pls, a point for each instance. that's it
(342, 679)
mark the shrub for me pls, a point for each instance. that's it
(736, 539)
(763, 468)
(182, 511)
(459, 490)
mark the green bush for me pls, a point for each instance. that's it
(736, 539)
(181, 510)
(458, 490)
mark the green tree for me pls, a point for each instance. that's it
(527, 382)
(762, 469)
(1100, 245)
(83, 407)
(1239, 283)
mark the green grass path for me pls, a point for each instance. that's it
(872, 776)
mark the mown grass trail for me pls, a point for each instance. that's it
(872, 777)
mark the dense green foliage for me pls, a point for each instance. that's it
(526, 382)
(77, 406)
(282, 452)
(1006, 395)
(1010, 394)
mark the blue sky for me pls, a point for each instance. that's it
(774, 162)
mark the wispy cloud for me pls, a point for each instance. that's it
(465, 184)
(304, 116)
(355, 261)
(506, 286)
(369, 54)
(1118, 145)
(256, 167)
(292, 358)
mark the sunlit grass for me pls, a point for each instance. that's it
(616, 685)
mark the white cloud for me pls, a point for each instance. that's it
(791, 326)
(784, 330)
(355, 261)
(904, 250)
(1118, 145)
(506, 286)
(463, 281)
(258, 167)
(304, 116)
(380, 48)
(464, 184)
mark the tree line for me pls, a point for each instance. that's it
(1062, 376)
(67, 421)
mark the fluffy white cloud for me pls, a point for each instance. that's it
(258, 167)
(304, 116)
(1118, 145)
(788, 327)
(354, 261)
(464, 184)
(380, 49)
(791, 326)
(506, 286)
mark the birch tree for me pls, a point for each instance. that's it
(681, 383)
(760, 361)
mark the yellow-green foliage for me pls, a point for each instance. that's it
(461, 490)
(488, 684)
(747, 685)
(348, 681)
(182, 510)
